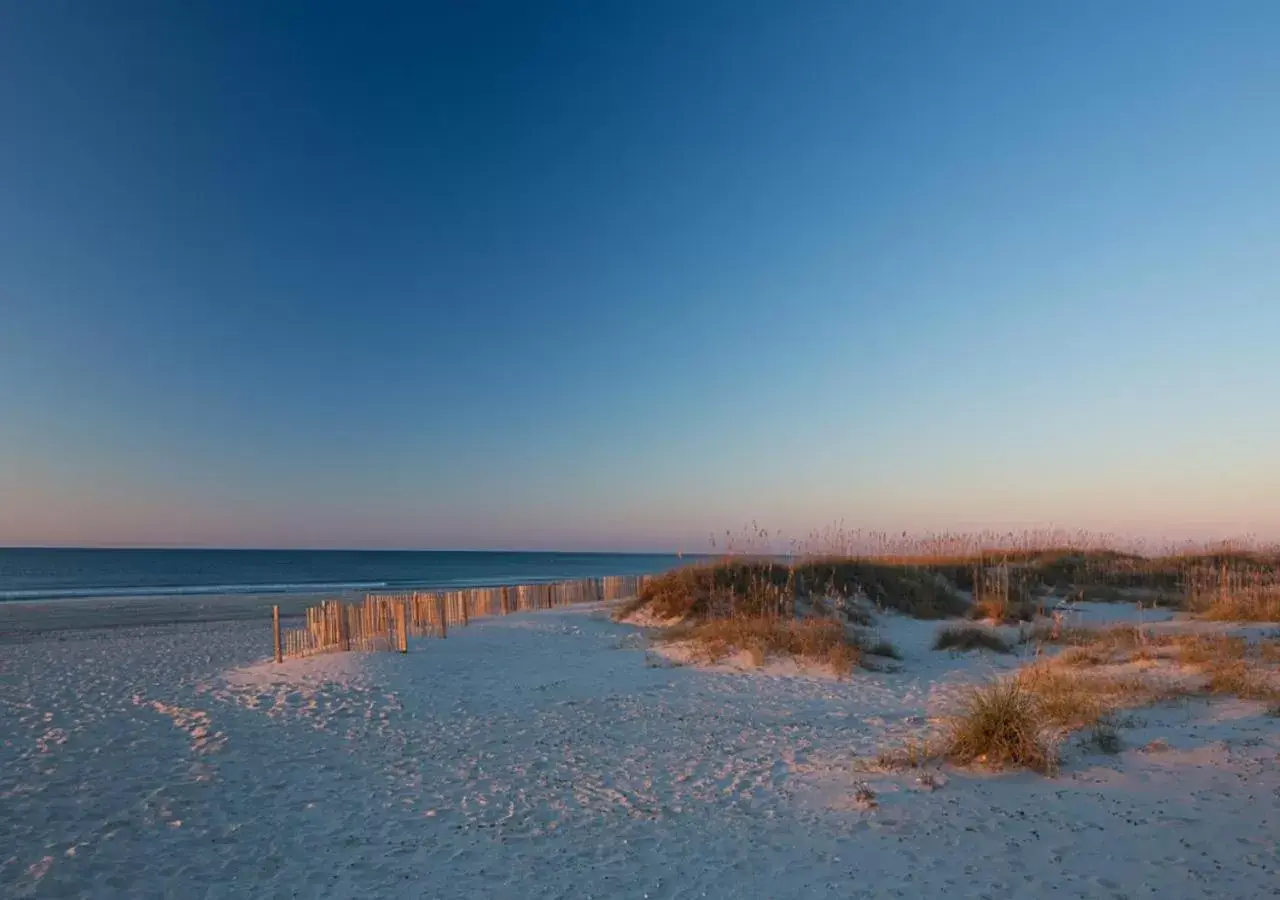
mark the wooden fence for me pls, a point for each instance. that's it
(386, 621)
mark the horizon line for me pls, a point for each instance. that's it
(216, 548)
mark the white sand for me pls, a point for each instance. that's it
(548, 755)
(23, 617)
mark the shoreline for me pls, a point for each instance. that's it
(19, 618)
(31, 617)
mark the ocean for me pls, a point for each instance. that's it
(51, 574)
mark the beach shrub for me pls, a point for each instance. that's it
(1000, 725)
(1104, 737)
(881, 647)
(962, 638)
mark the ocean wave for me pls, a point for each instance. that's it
(187, 590)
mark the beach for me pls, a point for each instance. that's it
(554, 754)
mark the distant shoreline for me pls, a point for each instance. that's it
(224, 581)
(31, 617)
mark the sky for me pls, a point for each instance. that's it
(622, 275)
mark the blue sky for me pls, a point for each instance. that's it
(618, 275)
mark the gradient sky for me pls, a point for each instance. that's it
(621, 274)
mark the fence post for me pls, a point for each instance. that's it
(464, 598)
(441, 609)
(402, 631)
(275, 630)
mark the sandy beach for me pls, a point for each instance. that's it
(20, 618)
(555, 755)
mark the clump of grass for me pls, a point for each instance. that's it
(1065, 700)
(1269, 650)
(1237, 678)
(864, 797)
(856, 615)
(881, 647)
(1235, 590)
(929, 781)
(1019, 721)
(1085, 655)
(961, 638)
(1228, 662)
(1066, 635)
(1004, 611)
(818, 641)
(1088, 647)
(727, 589)
(1001, 725)
(1005, 593)
(677, 594)
(1199, 649)
(911, 755)
(1101, 643)
(1104, 738)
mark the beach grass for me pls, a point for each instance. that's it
(963, 637)
(823, 642)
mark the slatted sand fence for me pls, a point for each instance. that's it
(385, 622)
(332, 626)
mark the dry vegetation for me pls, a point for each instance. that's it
(811, 598)
(1000, 725)
(1236, 591)
(960, 638)
(1006, 578)
(815, 641)
(761, 587)
(1020, 720)
(770, 610)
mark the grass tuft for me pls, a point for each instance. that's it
(881, 647)
(1104, 738)
(1067, 700)
(1004, 611)
(1201, 649)
(1000, 725)
(962, 638)
(1235, 590)
(1237, 678)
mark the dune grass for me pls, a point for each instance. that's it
(1005, 577)
(808, 604)
(1020, 720)
(823, 642)
(1000, 725)
(752, 588)
(1258, 602)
